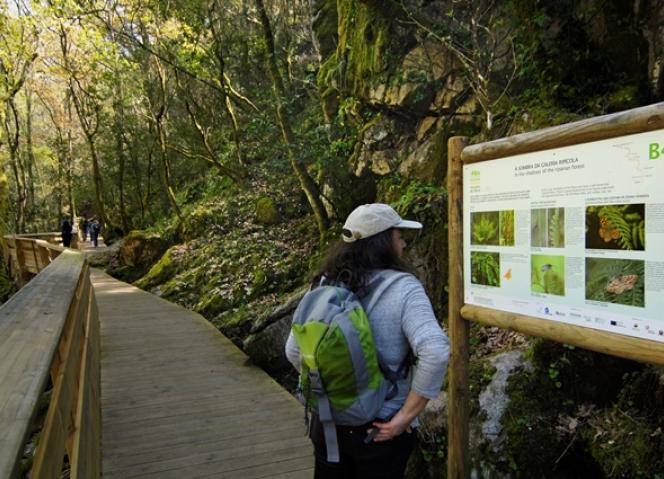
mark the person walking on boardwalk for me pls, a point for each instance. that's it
(85, 224)
(66, 230)
(369, 262)
(95, 227)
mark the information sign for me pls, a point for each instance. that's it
(572, 234)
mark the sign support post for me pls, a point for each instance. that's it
(458, 328)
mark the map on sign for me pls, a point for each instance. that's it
(572, 234)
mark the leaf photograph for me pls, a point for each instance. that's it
(620, 227)
(618, 281)
(484, 228)
(547, 228)
(485, 268)
(547, 274)
(506, 228)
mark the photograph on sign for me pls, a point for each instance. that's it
(572, 234)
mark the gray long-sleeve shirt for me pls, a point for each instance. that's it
(402, 320)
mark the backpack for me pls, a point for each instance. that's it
(340, 372)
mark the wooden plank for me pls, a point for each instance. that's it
(28, 258)
(31, 323)
(59, 420)
(263, 465)
(600, 341)
(85, 459)
(180, 400)
(458, 416)
(233, 456)
(638, 120)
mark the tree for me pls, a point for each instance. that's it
(307, 183)
(18, 47)
(483, 43)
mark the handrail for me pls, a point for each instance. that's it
(50, 328)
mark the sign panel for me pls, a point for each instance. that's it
(572, 234)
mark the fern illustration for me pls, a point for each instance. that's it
(485, 269)
(507, 228)
(557, 229)
(630, 226)
(484, 231)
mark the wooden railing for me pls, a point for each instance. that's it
(50, 328)
(30, 253)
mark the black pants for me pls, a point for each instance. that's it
(378, 460)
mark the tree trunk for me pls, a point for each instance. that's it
(225, 100)
(12, 132)
(30, 158)
(69, 161)
(121, 157)
(96, 175)
(306, 182)
(162, 135)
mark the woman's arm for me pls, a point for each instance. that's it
(402, 419)
(293, 352)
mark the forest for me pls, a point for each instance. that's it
(220, 143)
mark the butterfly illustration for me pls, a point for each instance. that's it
(607, 231)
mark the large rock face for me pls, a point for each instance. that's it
(415, 84)
(138, 252)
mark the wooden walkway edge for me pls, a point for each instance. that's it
(179, 400)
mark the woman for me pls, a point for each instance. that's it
(402, 321)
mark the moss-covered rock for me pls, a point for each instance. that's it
(161, 271)
(625, 444)
(266, 211)
(137, 253)
(547, 405)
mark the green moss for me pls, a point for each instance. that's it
(162, 271)
(562, 381)
(625, 445)
(199, 220)
(325, 26)
(369, 48)
(212, 305)
(623, 98)
(480, 374)
(266, 211)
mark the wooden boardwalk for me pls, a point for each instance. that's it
(179, 400)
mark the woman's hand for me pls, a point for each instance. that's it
(402, 419)
(390, 430)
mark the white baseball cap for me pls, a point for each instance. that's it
(368, 220)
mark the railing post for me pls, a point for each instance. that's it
(457, 430)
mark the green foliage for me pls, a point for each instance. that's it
(630, 224)
(559, 386)
(548, 274)
(615, 281)
(624, 444)
(416, 199)
(507, 228)
(266, 211)
(485, 268)
(556, 228)
(484, 230)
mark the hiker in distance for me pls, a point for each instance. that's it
(353, 340)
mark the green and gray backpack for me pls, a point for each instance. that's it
(341, 376)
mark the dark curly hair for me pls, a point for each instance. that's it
(353, 263)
